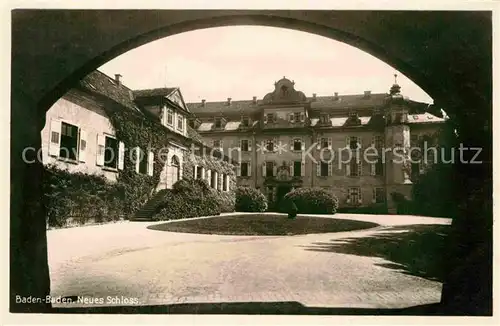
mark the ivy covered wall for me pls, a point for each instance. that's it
(226, 198)
(131, 190)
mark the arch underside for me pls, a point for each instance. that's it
(448, 54)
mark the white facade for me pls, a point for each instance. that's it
(89, 127)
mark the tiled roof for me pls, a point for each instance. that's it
(98, 82)
(348, 101)
(165, 91)
(248, 107)
(195, 136)
(101, 83)
(213, 108)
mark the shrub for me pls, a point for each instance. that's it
(403, 205)
(81, 197)
(313, 201)
(292, 210)
(250, 200)
(188, 198)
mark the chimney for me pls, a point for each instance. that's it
(228, 101)
(203, 103)
(314, 96)
(336, 96)
(117, 79)
(367, 93)
(254, 100)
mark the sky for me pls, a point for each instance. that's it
(240, 62)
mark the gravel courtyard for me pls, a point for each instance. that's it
(134, 264)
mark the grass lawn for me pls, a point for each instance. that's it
(261, 224)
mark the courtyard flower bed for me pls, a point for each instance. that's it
(262, 224)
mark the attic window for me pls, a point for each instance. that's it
(218, 123)
(324, 118)
(245, 122)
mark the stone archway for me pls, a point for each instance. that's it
(448, 54)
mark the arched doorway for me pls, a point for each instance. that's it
(454, 69)
(175, 170)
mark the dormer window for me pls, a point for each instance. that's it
(324, 119)
(245, 122)
(353, 119)
(270, 117)
(218, 123)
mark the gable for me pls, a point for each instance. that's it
(176, 97)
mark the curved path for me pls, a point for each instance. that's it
(127, 259)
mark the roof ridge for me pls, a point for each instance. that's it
(112, 79)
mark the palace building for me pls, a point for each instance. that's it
(287, 140)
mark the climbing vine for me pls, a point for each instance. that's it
(92, 198)
(136, 130)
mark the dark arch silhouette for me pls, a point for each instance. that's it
(448, 54)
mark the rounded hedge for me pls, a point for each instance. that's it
(188, 198)
(313, 201)
(250, 200)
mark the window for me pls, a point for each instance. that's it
(175, 169)
(199, 172)
(217, 143)
(69, 141)
(353, 143)
(297, 168)
(378, 142)
(354, 167)
(296, 116)
(324, 119)
(270, 146)
(244, 169)
(379, 167)
(143, 162)
(111, 153)
(269, 169)
(245, 122)
(270, 117)
(324, 143)
(354, 195)
(244, 145)
(225, 182)
(414, 140)
(297, 144)
(324, 169)
(170, 117)
(180, 121)
(213, 181)
(379, 195)
(218, 123)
